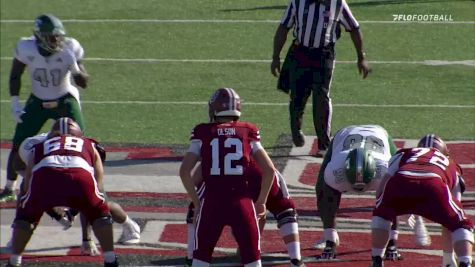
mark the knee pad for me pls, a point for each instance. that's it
(380, 223)
(286, 216)
(102, 221)
(24, 225)
(462, 234)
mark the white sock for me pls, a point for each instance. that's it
(191, 240)
(393, 234)
(127, 222)
(330, 234)
(109, 256)
(293, 249)
(10, 185)
(15, 260)
(377, 252)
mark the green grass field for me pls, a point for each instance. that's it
(155, 95)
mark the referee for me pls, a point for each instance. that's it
(308, 66)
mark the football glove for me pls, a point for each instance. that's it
(17, 109)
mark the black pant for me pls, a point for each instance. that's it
(310, 72)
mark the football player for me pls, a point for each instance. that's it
(51, 59)
(130, 229)
(226, 147)
(424, 180)
(70, 162)
(278, 203)
(356, 161)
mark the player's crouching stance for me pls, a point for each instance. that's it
(226, 146)
(356, 161)
(130, 229)
(279, 203)
(424, 181)
(70, 162)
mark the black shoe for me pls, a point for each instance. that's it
(188, 262)
(377, 261)
(112, 264)
(463, 264)
(298, 138)
(329, 252)
(296, 263)
(10, 265)
(392, 253)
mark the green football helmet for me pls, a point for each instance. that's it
(49, 33)
(360, 168)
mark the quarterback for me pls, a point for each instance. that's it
(227, 198)
(51, 59)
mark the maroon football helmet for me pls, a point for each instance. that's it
(65, 125)
(224, 102)
(432, 140)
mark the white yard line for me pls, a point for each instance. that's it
(201, 103)
(227, 21)
(266, 61)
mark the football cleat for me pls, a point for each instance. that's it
(7, 195)
(329, 252)
(188, 262)
(320, 244)
(89, 248)
(112, 264)
(376, 261)
(298, 138)
(392, 254)
(421, 235)
(130, 234)
(296, 263)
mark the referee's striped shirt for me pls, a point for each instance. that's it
(315, 21)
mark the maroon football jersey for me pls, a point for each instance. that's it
(424, 160)
(65, 145)
(225, 152)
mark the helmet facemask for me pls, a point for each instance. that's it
(49, 33)
(360, 168)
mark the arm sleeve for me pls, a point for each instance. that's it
(288, 19)
(347, 19)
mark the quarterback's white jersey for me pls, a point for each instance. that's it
(26, 147)
(51, 76)
(371, 137)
